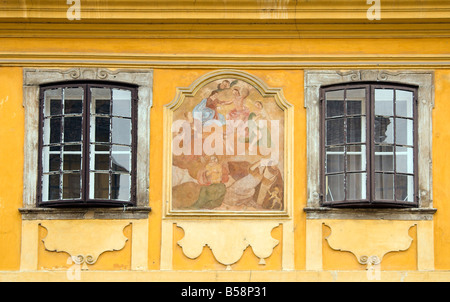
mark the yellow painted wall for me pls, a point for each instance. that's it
(11, 163)
(165, 81)
(441, 169)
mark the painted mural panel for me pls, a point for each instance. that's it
(228, 149)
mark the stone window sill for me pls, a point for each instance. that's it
(369, 214)
(84, 213)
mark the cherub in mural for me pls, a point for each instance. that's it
(226, 84)
(274, 198)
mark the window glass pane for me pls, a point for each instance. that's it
(356, 129)
(356, 186)
(72, 161)
(100, 101)
(121, 158)
(101, 157)
(335, 131)
(100, 185)
(335, 187)
(334, 159)
(72, 147)
(384, 158)
(50, 187)
(52, 130)
(103, 107)
(101, 129)
(404, 160)
(356, 101)
(121, 131)
(383, 130)
(72, 129)
(51, 160)
(120, 186)
(356, 157)
(71, 186)
(384, 102)
(404, 103)
(384, 186)
(121, 102)
(53, 102)
(404, 187)
(334, 103)
(404, 132)
(73, 100)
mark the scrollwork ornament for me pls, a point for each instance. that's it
(383, 75)
(79, 259)
(102, 74)
(90, 259)
(363, 259)
(74, 73)
(369, 260)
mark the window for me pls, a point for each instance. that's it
(369, 139)
(87, 143)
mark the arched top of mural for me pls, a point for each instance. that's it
(222, 78)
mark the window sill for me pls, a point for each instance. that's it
(84, 213)
(370, 214)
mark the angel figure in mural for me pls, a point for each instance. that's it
(207, 109)
(259, 133)
(213, 179)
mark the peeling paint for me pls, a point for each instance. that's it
(273, 9)
(3, 101)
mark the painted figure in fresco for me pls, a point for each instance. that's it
(251, 190)
(240, 111)
(213, 190)
(275, 198)
(225, 84)
(254, 137)
(207, 110)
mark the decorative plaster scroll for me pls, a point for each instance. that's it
(84, 240)
(371, 240)
(228, 239)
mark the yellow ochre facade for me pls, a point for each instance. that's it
(172, 49)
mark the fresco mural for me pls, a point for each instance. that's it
(227, 149)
